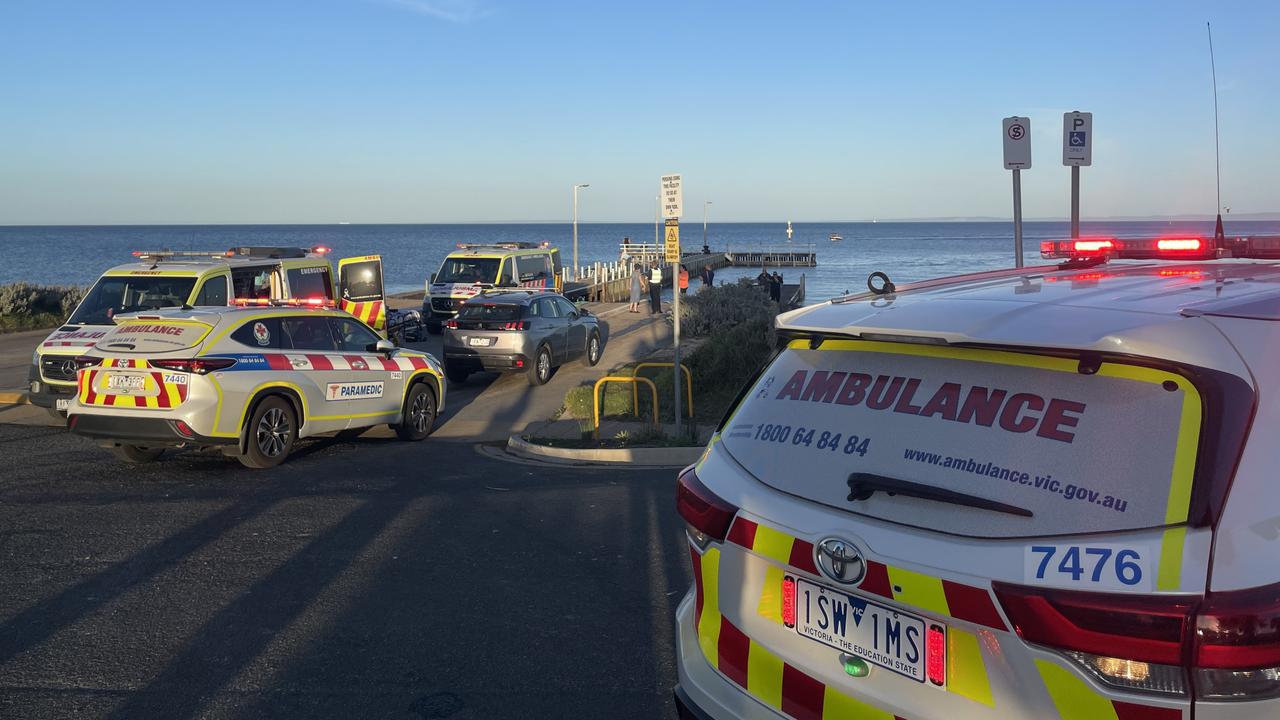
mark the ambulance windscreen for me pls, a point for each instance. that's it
(117, 294)
(1080, 452)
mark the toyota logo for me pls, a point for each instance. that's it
(840, 561)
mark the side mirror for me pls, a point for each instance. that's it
(433, 278)
(386, 347)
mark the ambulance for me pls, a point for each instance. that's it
(474, 268)
(1039, 493)
(167, 278)
(249, 381)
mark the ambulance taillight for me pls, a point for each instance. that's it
(1226, 645)
(708, 515)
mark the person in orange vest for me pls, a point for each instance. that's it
(684, 280)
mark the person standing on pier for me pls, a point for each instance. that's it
(764, 278)
(655, 289)
(684, 280)
(708, 275)
(637, 287)
(775, 287)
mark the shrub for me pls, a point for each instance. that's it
(721, 307)
(28, 299)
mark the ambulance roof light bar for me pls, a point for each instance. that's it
(1183, 247)
(501, 246)
(285, 302)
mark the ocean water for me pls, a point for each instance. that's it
(906, 251)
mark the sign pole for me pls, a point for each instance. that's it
(675, 313)
(673, 207)
(1017, 218)
(1075, 201)
(1017, 157)
(1077, 151)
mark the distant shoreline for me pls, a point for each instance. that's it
(1227, 220)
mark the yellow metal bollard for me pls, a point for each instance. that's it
(688, 383)
(595, 399)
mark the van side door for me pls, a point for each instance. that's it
(360, 291)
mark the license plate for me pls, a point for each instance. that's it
(878, 634)
(125, 382)
(480, 341)
(61, 404)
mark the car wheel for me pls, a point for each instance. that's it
(540, 371)
(593, 349)
(419, 415)
(272, 431)
(456, 375)
(58, 416)
(137, 453)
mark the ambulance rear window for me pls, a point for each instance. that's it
(309, 282)
(1056, 450)
(154, 336)
(117, 294)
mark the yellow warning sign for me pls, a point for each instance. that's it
(672, 246)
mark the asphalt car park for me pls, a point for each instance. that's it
(368, 579)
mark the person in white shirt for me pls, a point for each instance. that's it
(655, 289)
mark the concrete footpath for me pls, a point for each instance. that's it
(488, 408)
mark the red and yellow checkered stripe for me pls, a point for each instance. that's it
(936, 596)
(793, 692)
(372, 313)
(751, 666)
(157, 394)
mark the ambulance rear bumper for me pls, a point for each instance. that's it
(152, 432)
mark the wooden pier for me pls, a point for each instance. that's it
(611, 281)
(777, 256)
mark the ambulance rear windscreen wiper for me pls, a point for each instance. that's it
(863, 485)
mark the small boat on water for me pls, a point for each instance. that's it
(836, 237)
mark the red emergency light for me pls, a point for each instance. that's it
(321, 250)
(1080, 248)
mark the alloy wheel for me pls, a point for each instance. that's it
(273, 432)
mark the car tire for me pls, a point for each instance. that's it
(540, 371)
(418, 418)
(57, 415)
(456, 375)
(272, 431)
(137, 453)
(594, 349)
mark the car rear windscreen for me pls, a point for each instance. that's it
(153, 336)
(490, 312)
(1058, 449)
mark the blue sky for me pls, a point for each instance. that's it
(490, 110)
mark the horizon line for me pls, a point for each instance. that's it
(1244, 217)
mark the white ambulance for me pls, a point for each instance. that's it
(1040, 493)
(166, 278)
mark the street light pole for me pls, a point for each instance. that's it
(657, 220)
(576, 188)
(705, 204)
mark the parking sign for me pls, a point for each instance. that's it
(1077, 139)
(1017, 143)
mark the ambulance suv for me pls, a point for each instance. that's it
(167, 278)
(1043, 493)
(250, 381)
(472, 269)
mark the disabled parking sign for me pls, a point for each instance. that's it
(1077, 137)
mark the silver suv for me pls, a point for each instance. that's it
(531, 331)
